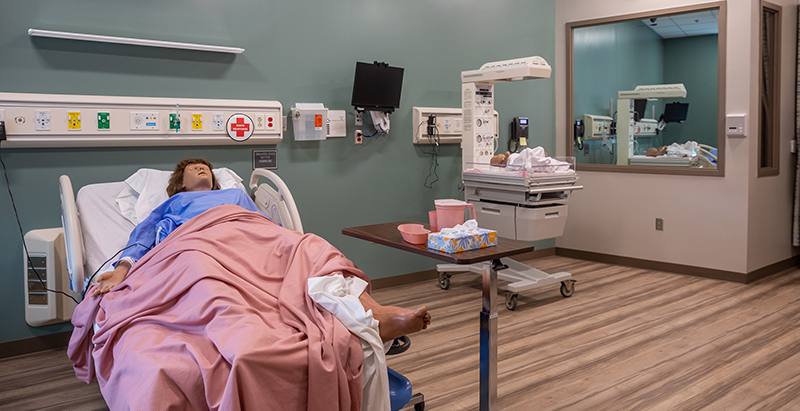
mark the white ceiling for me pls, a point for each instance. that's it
(685, 25)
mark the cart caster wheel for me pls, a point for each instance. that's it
(419, 406)
(567, 288)
(511, 300)
(444, 281)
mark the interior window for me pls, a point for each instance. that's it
(646, 91)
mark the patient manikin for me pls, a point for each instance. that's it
(192, 177)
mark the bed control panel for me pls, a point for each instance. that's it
(37, 280)
(55, 120)
(46, 270)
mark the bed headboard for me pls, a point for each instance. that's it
(73, 237)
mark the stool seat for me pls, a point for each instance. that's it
(399, 390)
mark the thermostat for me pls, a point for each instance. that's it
(736, 125)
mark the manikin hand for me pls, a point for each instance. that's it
(110, 279)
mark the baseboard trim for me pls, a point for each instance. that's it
(34, 344)
(775, 268)
(433, 275)
(681, 268)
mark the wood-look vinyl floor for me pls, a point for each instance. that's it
(628, 339)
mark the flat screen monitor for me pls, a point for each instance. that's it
(377, 86)
(675, 112)
(639, 107)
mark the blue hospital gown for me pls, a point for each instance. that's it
(177, 210)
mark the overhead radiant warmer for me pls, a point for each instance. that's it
(528, 207)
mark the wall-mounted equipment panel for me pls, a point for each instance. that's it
(597, 127)
(449, 125)
(54, 120)
(645, 127)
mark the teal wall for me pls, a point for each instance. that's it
(299, 51)
(693, 62)
(607, 59)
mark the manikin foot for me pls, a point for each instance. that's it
(396, 321)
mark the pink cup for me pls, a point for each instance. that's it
(432, 221)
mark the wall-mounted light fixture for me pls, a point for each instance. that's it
(133, 41)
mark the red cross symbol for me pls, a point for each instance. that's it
(240, 127)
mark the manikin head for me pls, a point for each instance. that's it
(192, 174)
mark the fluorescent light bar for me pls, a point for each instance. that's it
(132, 41)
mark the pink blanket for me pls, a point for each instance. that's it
(218, 316)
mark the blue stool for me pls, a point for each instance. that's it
(399, 386)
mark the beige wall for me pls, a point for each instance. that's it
(770, 209)
(734, 223)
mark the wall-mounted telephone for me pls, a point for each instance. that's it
(519, 133)
(577, 135)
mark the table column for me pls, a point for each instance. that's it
(488, 336)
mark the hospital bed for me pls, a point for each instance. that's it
(97, 225)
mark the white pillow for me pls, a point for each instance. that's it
(147, 188)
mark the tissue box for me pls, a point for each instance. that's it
(462, 240)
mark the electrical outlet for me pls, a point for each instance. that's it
(43, 120)
(659, 224)
(103, 121)
(197, 122)
(218, 121)
(74, 120)
(359, 118)
(359, 136)
(272, 122)
(260, 121)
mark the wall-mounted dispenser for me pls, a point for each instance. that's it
(310, 121)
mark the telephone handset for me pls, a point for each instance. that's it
(578, 134)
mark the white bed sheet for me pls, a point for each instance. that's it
(105, 231)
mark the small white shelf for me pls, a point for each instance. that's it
(132, 41)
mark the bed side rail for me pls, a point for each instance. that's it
(274, 203)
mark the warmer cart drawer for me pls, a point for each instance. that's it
(498, 217)
(540, 223)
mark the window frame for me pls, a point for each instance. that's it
(769, 144)
(720, 6)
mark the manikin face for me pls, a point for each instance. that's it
(197, 177)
